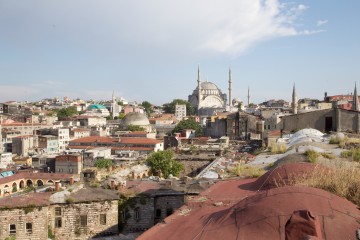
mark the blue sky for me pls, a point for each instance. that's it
(150, 49)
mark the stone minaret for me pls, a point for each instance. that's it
(230, 87)
(248, 96)
(355, 105)
(113, 105)
(199, 88)
(294, 101)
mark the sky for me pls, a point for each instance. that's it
(149, 50)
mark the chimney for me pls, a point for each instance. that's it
(71, 181)
(57, 186)
(112, 184)
(113, 167)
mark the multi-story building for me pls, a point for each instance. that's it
(48, 144)
(23, 145)
(180, 111)
(68, 163)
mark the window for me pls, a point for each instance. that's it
(103, 219)
(12, 229)
(83, 220)
(123, 216)
(58, 211)
(158, 213)
(28, 228)
(58, 222)
(137, 214)
(169, 211)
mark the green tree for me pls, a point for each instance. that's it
(170, 107)
(163, 162)
(67, 112)
(148, 107)
(188, 124)
(103, 163)
(134, 128)
(121, 115)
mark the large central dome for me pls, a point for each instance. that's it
(209, 86)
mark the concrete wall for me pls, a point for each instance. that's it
(347, 120)
(315, 119)
(37, 216)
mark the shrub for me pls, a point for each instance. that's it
(343, 182)
(248, 171)
(103, 163)
(277, 148)
(312, 155)
(334, 140)
(328, 155)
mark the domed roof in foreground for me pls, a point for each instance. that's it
(135, 118)
(280, 213)
(96, 106)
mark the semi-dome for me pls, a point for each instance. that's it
(96, 106)
(135, 118)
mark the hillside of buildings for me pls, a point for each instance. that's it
(74, 169)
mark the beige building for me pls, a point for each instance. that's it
(69, 163)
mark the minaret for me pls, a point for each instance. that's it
(355, 105)
(248, 96)
(113, 106)
(199, 88)
(294, 101)
(230, 88)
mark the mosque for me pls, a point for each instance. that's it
(207, 98)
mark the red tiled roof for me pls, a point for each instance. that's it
(31, 175)
(126, 140)
(32, 199)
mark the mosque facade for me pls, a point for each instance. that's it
(207, 98)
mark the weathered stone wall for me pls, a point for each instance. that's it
(71, 224)
(37, 216)
(194, 167)
(145, 207)
(166, 205)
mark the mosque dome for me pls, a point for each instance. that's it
(209, 86)
(96, 106)
(135, 118)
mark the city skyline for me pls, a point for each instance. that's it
(150, 50)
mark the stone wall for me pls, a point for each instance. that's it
(30, 223)
(166, 205)
(130, 221)
(84, 220)
(193, 167)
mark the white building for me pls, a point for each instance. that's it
(180, 111)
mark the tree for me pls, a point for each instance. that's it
(67, 112)
(134, 128)
(103, 163)
(188, 124)
(163, 162)
(148, 107)
(170, 107)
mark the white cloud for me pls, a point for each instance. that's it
(321, 22)
(161, 26)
